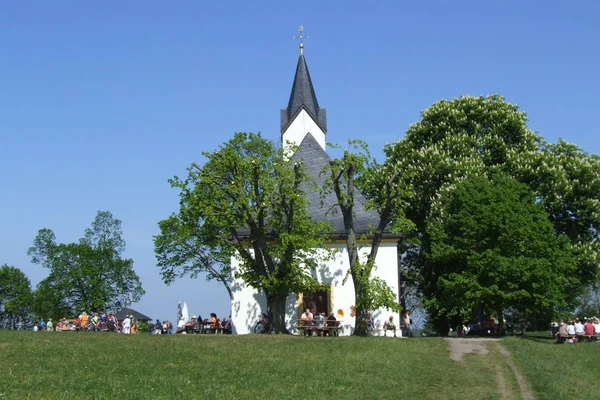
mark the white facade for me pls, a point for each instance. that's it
(248, 303)
(300, 126)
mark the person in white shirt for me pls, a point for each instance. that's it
(127, 325)
(307, 319)
(307, 316)
(579, 328)
(571, 328)
(596, 326)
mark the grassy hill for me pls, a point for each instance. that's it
(84, 365)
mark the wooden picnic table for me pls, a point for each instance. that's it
(314, 325)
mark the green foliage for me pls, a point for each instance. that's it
(144, 327)
(87, 276)
(15, 297)
(48, 300)
(493, 245)
(588, 304)
(247, 201)
(357, 172)
(481, 136)
(181, 250)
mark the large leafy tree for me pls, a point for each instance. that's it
(15, 297)
(493, 249)
(182, 250)
(357, 173)
(481, 136)
(91, 275)
(247, 201)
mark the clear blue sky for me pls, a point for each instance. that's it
(101, 103)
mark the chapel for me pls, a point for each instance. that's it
(304, 124)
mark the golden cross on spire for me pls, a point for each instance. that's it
(301, 36)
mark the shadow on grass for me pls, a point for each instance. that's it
(538, 338)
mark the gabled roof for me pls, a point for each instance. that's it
(315, 159)
(124, 312)
(303, 97)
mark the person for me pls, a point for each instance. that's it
(571, 328)
(133, 325)
(588, 328)
(84, 320)
(167, 326)
(158, 327)
(42, 325)
(111, 322)
(553, 328)
(307, 319)
(596, 324)
(389, 325)
(95, 320)
(126, 325)
(579, 328)
(49, 325)
(213, 322)
(408, 322)
(563, 333)
(227, 325)
(332, 323)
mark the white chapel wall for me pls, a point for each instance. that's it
(248, 303)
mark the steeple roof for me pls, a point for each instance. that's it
(303, 97)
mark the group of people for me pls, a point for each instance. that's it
(320, 324)
(575, 330)
(95, 322)
(208, 325)
(390, 325)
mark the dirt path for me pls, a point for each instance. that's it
(459, 347)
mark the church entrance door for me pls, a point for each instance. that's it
(317, 302)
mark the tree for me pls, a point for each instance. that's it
(247, 201)
(15, 297)
(357, 172)
(494, 249)
(48, 301)
(588, 304)
(180, 250)
(90, 275)
(481, 136)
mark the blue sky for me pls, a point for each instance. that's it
(101, 103)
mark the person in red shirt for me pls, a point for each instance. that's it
(588, 328)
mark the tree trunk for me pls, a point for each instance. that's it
(361, 327)
(276, 306)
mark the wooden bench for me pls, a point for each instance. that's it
(589, 338)
(387, 327)
(320, 329)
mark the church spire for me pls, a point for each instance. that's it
(303, 94)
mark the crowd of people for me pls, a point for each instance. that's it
(96, 322)
(575, 330)
(207, 325)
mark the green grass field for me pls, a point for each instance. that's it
(100, 365)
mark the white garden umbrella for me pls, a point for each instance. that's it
(184, 312)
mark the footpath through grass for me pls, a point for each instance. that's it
(84, 365)
(565, 371)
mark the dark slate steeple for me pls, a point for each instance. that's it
(303, 97)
